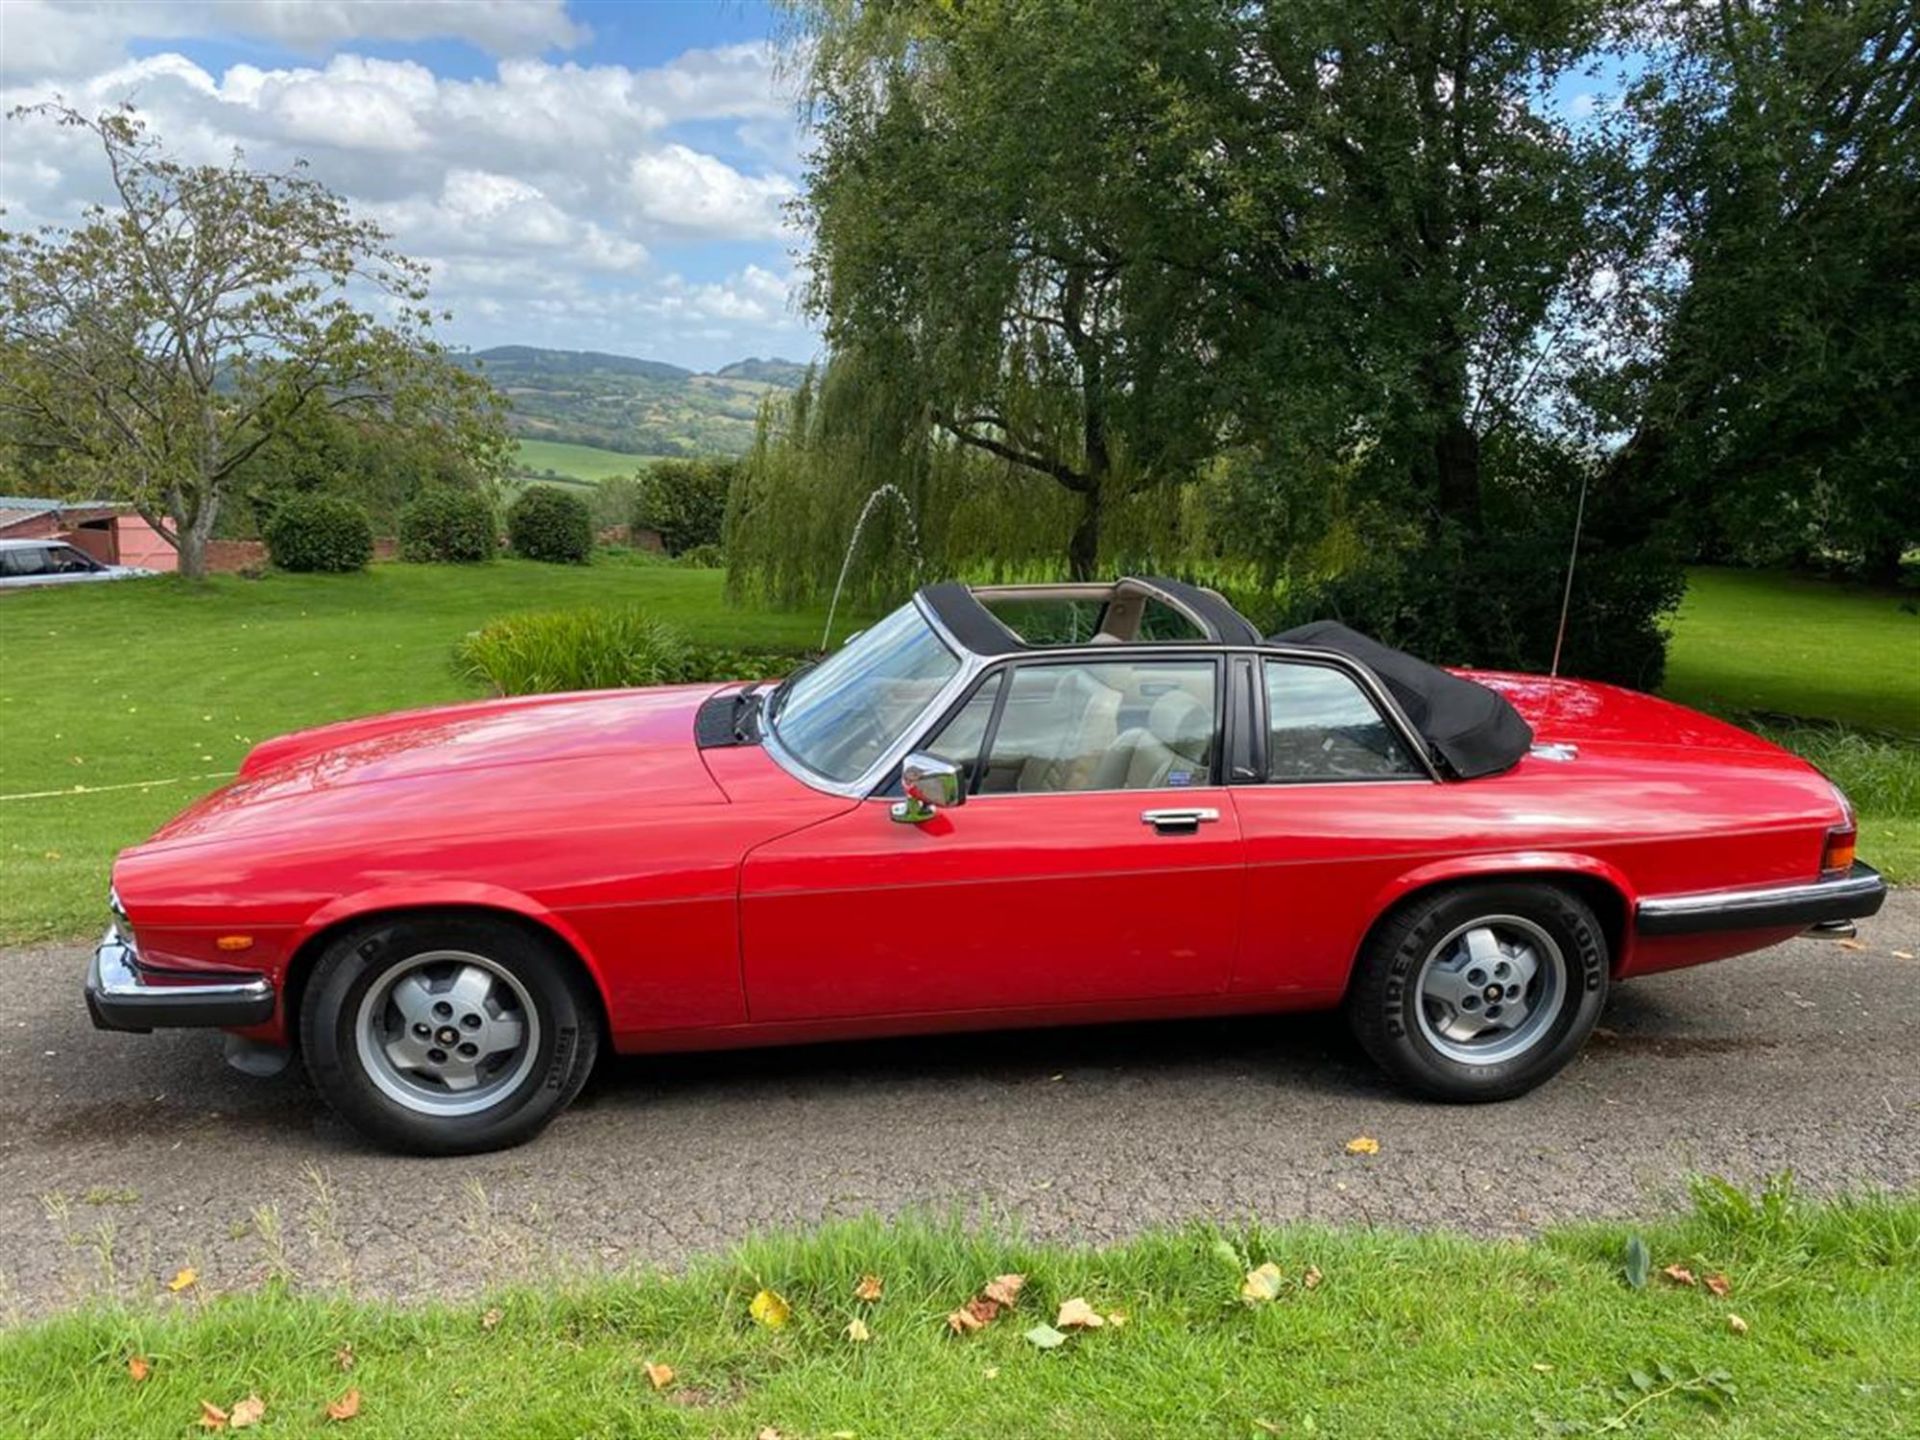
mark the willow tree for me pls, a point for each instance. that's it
(148, 351)
(1002, 200)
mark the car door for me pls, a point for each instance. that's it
(1335, 803)
(1095, 862)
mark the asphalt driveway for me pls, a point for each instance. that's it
(124, 1157)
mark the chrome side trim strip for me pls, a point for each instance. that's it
(1852, 896)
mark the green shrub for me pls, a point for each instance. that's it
(448, 526)
(685, 501)
(319, 533)
(547, 523)
(599, 648)
(704, 557)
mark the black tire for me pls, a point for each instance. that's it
(1385, 1002)
(533, 1084)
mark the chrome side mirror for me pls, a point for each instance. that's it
(931, 784)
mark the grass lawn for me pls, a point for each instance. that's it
(1397, 1335)
(107, 685)
(1758, 640)
(1759, 646)
(577, 462)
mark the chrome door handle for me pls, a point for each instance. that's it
(1178, 822)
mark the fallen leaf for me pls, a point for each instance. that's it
(984, 1310)
(1076, 1314)
(138, 1368)
(1312, 1278)
(992, 1372)
(1543, 1367)
(767, 1432)
(489, 1320)
(1045, 1337)
(1719, 1285)
(1262, 1284)
(868, 1289)
(1736, 1324)
(248, 1412)
(212, 1417)
(659, 1376)
(964, 1322)
(1363, 1145)
(857, 1331)
(1637, 1262)
(187, 1276)
(1116, 1318)
(346, 1407)
(1679, 1274)
(770, 1309)
(343, 1357)
(1005, 1289)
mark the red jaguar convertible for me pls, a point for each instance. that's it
(996, 807)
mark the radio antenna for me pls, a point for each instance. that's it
(1566, 594)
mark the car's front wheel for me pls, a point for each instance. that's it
(1481, 992)
(447, 1035)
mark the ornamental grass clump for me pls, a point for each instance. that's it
(596, 648)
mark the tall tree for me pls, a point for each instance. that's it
(155, 346)
(1777, 355)
(1456, 244)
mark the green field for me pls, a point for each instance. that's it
(160, 680)
(1778, 651)
(584, 463)
(1397, 1335)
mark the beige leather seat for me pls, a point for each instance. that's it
(1178, 735)
(1080, 726)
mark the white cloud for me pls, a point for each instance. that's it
(42, 40)
(681, 189)
(542, 195)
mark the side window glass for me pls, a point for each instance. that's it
(1124, 725)
(1322, 726)
(959, 739)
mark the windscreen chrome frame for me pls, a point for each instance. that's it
(863, 785)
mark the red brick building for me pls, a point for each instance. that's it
(109, 532)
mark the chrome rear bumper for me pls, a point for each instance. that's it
(120, 998)
(1852, 896)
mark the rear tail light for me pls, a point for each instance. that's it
(1837, 857)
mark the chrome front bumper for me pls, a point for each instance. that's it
(119, 997)
(1853, 896)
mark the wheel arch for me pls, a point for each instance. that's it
(374, 907)
(1606, 891)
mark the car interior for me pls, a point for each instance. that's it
(1120, 725)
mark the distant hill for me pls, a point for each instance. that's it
(785, 373)
(634, 406)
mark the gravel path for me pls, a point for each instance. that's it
(123, 1157)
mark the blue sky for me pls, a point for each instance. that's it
(586, 175)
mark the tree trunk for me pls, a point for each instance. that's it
(1456, 455)
(192, 534)
(192, 553)
(1083, 550)
(1882, 561)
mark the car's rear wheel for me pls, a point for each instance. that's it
(447, 1035)
(1481, 992)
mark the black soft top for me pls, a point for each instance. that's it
(1472, 729)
